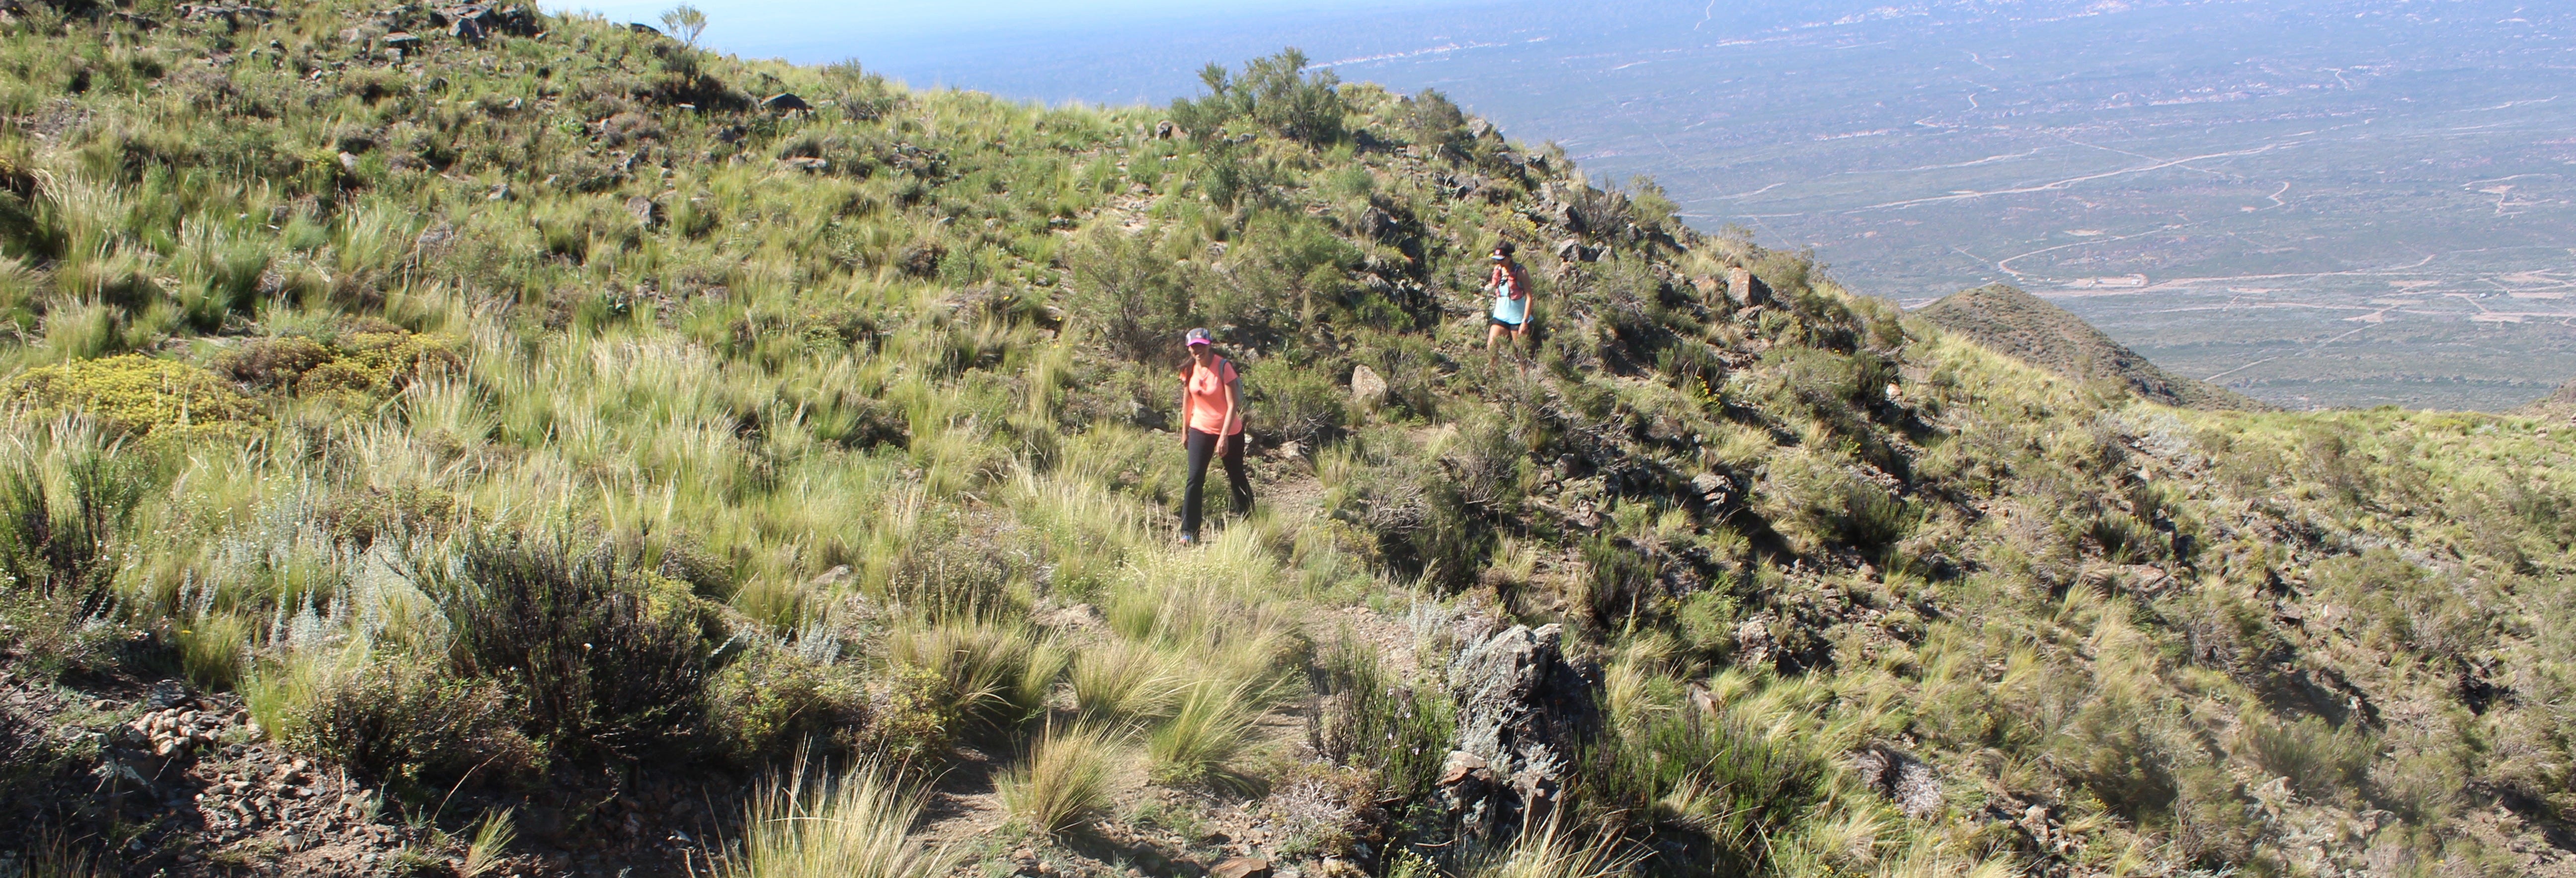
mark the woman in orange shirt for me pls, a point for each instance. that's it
(1212, 415)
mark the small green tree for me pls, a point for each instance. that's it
(1276, 92)
(686, 23)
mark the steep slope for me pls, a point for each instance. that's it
(2558, 405)
(2021, 325)
(450, 439)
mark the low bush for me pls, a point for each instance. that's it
(397, 719)
(772, 702)
(915, 717)
(137, 395)
(1275, 92)
(1373, 721)
(610, 661)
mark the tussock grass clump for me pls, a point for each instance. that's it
(213, 648)
(1210, 727)
(64, 513)
(1000, 674)
(1123, 681)
(490, 844)
(858, 825)
(1555, 850)
(1063, 782)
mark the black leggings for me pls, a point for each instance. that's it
(1203, 445)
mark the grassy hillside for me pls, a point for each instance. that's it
(554, 453)
(2022, 325)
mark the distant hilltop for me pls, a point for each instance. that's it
(2028, 328)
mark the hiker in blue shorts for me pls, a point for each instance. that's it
(1510, 288)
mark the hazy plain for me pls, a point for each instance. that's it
(2320, 203)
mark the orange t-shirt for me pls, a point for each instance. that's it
(1210, 391)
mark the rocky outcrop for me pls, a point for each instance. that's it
(1524, 711)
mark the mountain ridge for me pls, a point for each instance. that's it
(465, 440)
(2021, 325)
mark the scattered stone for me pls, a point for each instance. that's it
(785, 102)
(1368, 389)
(808, 164)
(1377, 224)
(1903, 779)
(1241, 867)
(166, 694)
(1754, 645)
(1461, 767)
(474, 22)
(401, 41)
(1714, 489)
(349, 162)
(1165, 130)
(1746, 289)
(646, 213)
(642, 28)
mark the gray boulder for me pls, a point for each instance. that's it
(1524, 713)
(1368, 389)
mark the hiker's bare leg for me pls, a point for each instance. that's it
(1494, 332)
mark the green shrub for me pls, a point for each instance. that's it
(1129, 296)
(1816, 503)
(916, 716)
(1373, 721)
(1300, 405)
(1275, 92)
(609, 661)
(138, 395)
(773, 702)
(396, 718)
